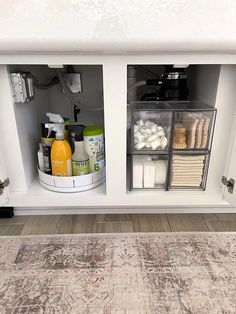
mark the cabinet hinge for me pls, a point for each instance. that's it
(229, 184)
(3, 185)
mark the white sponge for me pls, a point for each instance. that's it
(137, 172)
(148, 173)
(160, 172)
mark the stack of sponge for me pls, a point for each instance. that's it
(148, 173)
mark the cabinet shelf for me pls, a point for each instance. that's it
(149, 152)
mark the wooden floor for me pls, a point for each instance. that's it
(64, 224)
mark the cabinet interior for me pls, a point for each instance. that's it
(29, 115)
(210, 84)
(204, 85)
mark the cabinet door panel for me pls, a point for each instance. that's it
(5, 191)
(231, 173)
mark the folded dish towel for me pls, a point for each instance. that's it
(188, 158)
(187, 170)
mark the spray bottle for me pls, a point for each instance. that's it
(80, 159)
(61, 150)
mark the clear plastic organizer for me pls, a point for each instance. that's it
(150, 127)
(171, 128)
(73, 183)
(149, 172)
(188, 171)
(193, 125)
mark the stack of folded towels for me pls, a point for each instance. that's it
(187, 171)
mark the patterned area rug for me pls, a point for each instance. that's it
(119, 274)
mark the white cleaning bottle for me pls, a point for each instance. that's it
(80, 159)
(40, 157)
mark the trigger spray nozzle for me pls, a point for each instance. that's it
(49, 129)
(55, 117)
(56, 124)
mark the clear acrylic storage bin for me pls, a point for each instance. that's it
(150, 127)
(189, 171)
(179, 131)
(149, 172)
(193, 126)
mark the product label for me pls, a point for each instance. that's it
(46, 158)
(80, 167)
(61, 168)
(96, 164)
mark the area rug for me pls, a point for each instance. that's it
(119, 274)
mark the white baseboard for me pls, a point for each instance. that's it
(22, 211)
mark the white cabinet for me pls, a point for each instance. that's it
(19, 129)
(3, 184)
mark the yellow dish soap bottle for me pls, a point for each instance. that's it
(61, 150)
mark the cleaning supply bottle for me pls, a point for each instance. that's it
(94, 147)
(61, 150)
(40, 158)
(80, 159)
(47, 141)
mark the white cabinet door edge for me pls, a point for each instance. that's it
(5, 192)
(230, 172)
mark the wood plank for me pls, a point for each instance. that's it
(226, 217)
(41, 225)
(186, 222)
(210, 217)
(66, 224)
(14, 220)
(221, 226)
(84, 223)
(109, 227)
(151, 223)
(114, 218)
(11, 230)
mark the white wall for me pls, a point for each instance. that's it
(28, 118)
(203, 83)
(91, 96)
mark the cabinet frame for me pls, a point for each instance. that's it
(114, 69)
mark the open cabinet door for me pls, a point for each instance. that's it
(229, 191)
(4, 182)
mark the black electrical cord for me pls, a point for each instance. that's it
(55, 80)
(150, 97)
(147, 71)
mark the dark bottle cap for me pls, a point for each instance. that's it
(44, 132)
(79, 137)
